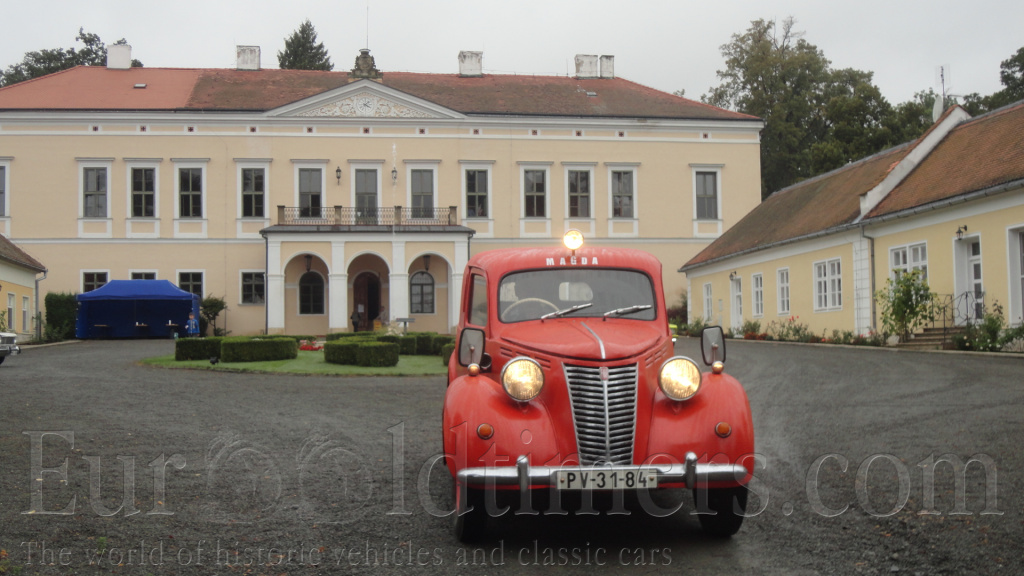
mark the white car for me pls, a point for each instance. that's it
(8, 345)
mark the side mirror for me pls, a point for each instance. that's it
(712, 344)
(471, 347)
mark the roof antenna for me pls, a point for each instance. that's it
(367, 24)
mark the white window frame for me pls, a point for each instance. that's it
(757, 295)
(353, 166)
(477, 167)
(1015, 272)
(524, 220)
(5, 181)
(241, 287)
(434, 167)
(782, 291)
(828, 288)
(83, 165)
(315, 164)
(587, 167)
(203, 220)
(615, 223)
(709, 302)
(698, 223)
(25, 303)
(155, 273)
(913, 257)
(177, 278)
(150, 225)
(82, 273)
(241, 165)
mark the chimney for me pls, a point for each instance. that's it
(586, 66)
(247, 57)
(607, 66)
(471, 64)
(119, 57)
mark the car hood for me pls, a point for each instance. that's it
(586, 338)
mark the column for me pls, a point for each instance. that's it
(398, 281)
(275, 288)
(338, 289)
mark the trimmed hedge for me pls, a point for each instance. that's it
(258, 349)
(341, 351)
(407, 345)
(424, 343)
(61, 313)
(446, 353)
(439, 342)
(392, 338)
(300, 337)
(344, 335)
(377, 354)
(197, 348)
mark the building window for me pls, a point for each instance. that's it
(94, 192)
(476, 193)
(903, 259)
(783, 283)
(3, 191)
(311, 293)
(622, 194)
(191, 282)
(190, 192)
(421, 183)
(579, 193)
(253, 288)
(366, 195)
(143, 276)
(93, 280)
(143, 192)
(10, 312)
(253, 190)
(828, 285)
(707, 195)
(708, 302)
(757, 294)
(535, 193)
(310, 192)
(421, 293)
(24, 314)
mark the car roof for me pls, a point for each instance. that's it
(497, 263)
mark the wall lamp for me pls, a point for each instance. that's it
(732, 275)
(426, 262)
(960, 232)
(337, 174)
(309, 262)
(394, 174)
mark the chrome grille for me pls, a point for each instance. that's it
(604, 411)
(7, 339)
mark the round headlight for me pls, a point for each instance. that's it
(680, 378)
(573, 239)
(522, 379)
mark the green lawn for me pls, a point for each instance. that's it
(309, 362)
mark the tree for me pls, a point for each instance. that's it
(303, 52)
(852, 123)
(906, 303)
(47, 61)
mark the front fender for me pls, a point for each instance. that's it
(689, 426)
(520, 428)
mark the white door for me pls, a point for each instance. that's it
(974, 281)
(736, 315)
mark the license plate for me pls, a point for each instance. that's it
(597, 479)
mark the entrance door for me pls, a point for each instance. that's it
(366, 298)
(736, 290)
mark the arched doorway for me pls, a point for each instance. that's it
(366, 298)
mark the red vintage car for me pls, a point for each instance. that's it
(564, 379)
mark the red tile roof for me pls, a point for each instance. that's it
(100, 88)
(10, 252)
(976, 155)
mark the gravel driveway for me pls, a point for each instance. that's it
(107, 466)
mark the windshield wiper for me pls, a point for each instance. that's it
(627, 310)
(560, 313)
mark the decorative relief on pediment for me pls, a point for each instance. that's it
(365, 105)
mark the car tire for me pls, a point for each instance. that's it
(469, 517)
(2, 358)
(728, 506)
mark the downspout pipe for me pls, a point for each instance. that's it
(39, 325)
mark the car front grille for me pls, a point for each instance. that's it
(7, 339)
(604, 411)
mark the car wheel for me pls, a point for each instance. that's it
(2, 358)
(470, 516)
(728, 506)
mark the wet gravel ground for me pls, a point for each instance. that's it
(870, 462)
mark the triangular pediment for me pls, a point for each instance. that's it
(364, 99)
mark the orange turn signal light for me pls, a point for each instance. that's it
(485, 431)
(723, 429)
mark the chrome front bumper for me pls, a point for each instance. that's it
(9, 350)
(525, 476)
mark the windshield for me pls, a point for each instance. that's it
(576, 293)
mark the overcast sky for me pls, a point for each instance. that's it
(665, 44)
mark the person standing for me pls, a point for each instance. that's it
(192, 326)
(356, 318)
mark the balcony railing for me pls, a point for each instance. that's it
(349, 216)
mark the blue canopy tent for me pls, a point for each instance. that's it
(134, 309)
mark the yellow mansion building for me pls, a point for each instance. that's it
(304, 197)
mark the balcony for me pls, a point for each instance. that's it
(341, 217)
